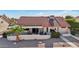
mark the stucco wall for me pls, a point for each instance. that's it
(3, 25)
(30, 37)
(64, 30)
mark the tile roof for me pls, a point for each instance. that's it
(62, 22)
(34, 20)
(77, 17)
(41, 21)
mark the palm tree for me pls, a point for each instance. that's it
(17, 30)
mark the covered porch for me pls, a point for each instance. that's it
(38, 29)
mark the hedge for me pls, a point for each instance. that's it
(55, 34)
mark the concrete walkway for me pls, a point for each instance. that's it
(69, 42)
(75, 37)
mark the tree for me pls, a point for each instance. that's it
(69, 17)
(17, 30)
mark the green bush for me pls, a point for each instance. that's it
(55, 34)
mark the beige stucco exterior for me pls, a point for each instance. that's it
(3, 25)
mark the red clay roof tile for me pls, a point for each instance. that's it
(40, 21)
(31, 20)
(62, 22)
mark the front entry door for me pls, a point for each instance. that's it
(35, 30)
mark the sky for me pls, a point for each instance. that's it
(18, 13)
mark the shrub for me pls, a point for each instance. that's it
(55, 34)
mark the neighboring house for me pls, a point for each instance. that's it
(12, 21)
(4, 23)
(45, 24)
(77, 19)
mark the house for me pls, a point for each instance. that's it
(4, 23)
(45, 24)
